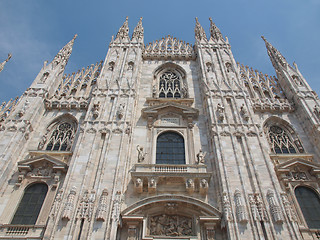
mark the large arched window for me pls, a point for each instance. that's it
(59, 136)
(30, 205)
(281, 141)
(282, 138)
(309, 203)
(170, 149)
(170, 85)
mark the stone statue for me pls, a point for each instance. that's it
(120, 111)
(4, 62)
(200, 157)
(220, 111)
(141, 154)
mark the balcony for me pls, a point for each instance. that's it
(190, 178)
(8, 231)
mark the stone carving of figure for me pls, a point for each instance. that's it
(229, 67)
(120, 111)
(220, 111)
(189, 183)
(43, 140)
(244, 112)
(316, 111)
(184, 91)
(152, 183)
(4, 62)
(204, 183)
(24, 108)
(95, 110)
(111, 66)
(200, 157)
(44, 77)
(141, 154)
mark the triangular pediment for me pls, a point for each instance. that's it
(42, 160)
(302, 163)
(168, 107)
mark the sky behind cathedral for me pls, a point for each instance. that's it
(35, 30)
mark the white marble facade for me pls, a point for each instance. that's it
(90, 138)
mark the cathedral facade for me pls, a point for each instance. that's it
(165, 140)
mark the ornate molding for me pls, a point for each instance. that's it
(69, 205)
(169, 48)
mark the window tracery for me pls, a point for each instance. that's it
(170, 85)
(281, 141)
(59, 136)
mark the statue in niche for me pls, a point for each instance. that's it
(220, 111)
(154, 91)
(111, 66)
(229, 67)
(200, 157)
(316, 111)
(120, 111)
(43, 140)
(95, 110)
(44, 77)
(141, 154)
(297, 80)
(244, 112)
(24, 108)
(184, 91)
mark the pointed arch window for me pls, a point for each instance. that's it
(30, 205)
(170, 85)
(59, 136)
(281, 141)
(309, 203)
(170, 149)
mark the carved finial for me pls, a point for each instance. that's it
(275, 56)
(200, 34)
(123, 32)
(64, 54)
(138, 31)
(215, 31)
(5, 61)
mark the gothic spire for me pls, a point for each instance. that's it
(5, 61)
(275, 56)
(199, 32)
(123, 32)
(215, 31)
(64, 54)
(138, 31)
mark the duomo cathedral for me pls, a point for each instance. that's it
(161, 141)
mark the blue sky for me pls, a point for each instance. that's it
(35, 30)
